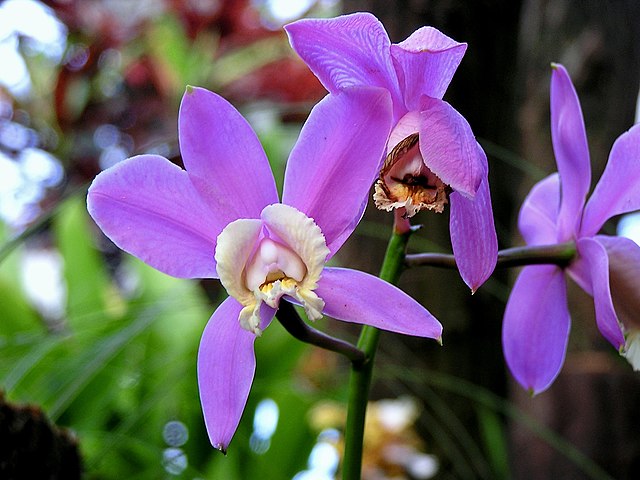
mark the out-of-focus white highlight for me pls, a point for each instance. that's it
(396, 415)
(265, 422)
(324, 458)
(41, 276)
(39, 33)
(629, 226)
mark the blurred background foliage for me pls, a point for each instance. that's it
(106, 346)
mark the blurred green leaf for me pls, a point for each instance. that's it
(88, 287)
(180, 62)
(76, 97)
(494, 441)
(242, 61)
(17, 314)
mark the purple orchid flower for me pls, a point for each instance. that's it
(221, 218)
(536, 321)
(432, 154)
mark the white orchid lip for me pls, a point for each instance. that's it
(405, 181)
(631, 349)
(271, 262)
(261, 260)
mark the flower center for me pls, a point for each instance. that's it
(261, 260)
(274, 268)
(405, 181)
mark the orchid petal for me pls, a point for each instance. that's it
(226, 366)
(346, 51)
(580, 272)
(624, 277)
(571, 151)
(406, 126)
(358, 297)
(426, 62)
(473, 236)
(302, 235)
(618, 190)
(236, 244)
(539, 212)
(148, 207)
(536, 327)
(336, 159)
(449, 148)
(595, 256)
(223, 156)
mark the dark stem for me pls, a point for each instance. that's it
(293, 324)
(559, 254)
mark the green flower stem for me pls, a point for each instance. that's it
(360, 380)
(558, 254)
(395, 261)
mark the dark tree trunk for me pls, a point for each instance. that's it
(502, 88)
(31, 447)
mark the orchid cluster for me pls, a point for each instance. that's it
(536, 321)
(383, 125)
(432, 155)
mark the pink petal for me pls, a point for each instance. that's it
(336, 159)
(624, 277)
(580, 272)
(536, 325)
(449, 147)
(539, 212)
(346, 51)
(226, 366)
(148, 207)
(473, 236)
(223, 156)
(571, 151)
(594, 255)
(426, 62)
(618, 190)
(358, 297)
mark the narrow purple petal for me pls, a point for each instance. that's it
(624, 277)
(357, 297)
(473, 236)
(345, 51)
(336, 159)
(449, 147)
(618, 190)
(536, 325)
(580, 272)
(426, 62)
(148, 207)
(539, 212)
(223, 156)
(226, 366)
(597, 262)
(571, 151)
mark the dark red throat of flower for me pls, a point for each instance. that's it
(405, 181)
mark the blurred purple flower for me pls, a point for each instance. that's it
(536, 321)
(220, 218)
(432, 154)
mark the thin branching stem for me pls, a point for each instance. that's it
(559, 254)
(293, 324)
